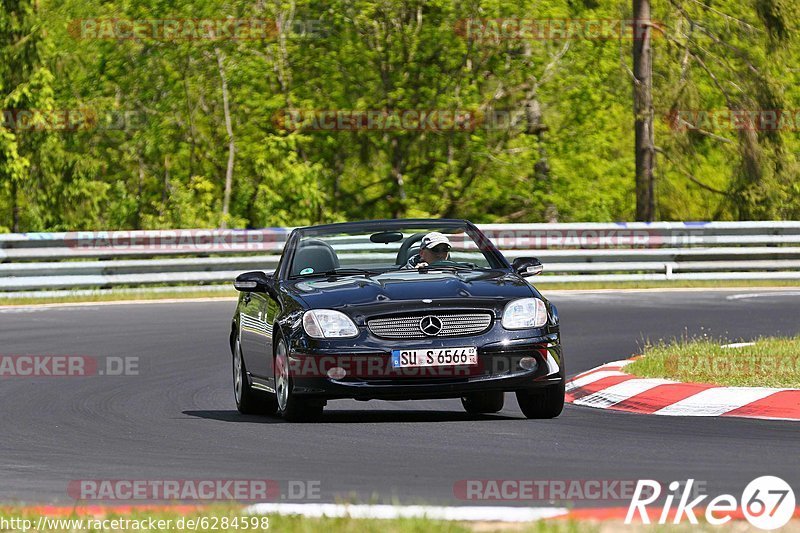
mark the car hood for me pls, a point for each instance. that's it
(401, 289)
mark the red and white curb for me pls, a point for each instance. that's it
(609, 387)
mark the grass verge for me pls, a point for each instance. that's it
(229, 518)
(769, 362)
(117, 296)
(221, 518)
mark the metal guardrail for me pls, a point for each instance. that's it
(570, 252)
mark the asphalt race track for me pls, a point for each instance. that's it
(177, 418)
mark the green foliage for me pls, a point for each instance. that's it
(564, 153)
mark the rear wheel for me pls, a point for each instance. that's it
(547, 402)
(290, 406)
(248, 400)
(483, 402)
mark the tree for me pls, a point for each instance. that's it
(24, 85)
(643, 111)
(551, 137)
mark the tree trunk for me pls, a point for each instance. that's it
(643, 111)
(137, 221)
(399, 201)
(14, 207)
(541, 169)
(165, 187)
(226, 199)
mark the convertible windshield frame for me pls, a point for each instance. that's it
(493, 256)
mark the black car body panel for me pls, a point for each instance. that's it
(262, 316)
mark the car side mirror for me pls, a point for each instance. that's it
(255, 281)
(527, 266)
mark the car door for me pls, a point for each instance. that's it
(271, 310)
(254, 333)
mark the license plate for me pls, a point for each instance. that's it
(435, 357)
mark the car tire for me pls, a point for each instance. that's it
(547, 402)
(483, 402)
(289, 405)
(248, 400)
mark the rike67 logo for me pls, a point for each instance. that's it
(767, 502)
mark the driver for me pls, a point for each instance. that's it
(434, 247)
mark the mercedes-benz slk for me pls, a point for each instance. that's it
(365, 310)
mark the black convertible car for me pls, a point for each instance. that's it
(394, 310)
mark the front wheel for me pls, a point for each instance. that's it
(483, 402)
(290, 406)
(248, 400)
(547, 402)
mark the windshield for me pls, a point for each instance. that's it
(374, 250)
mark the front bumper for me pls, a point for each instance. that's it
(369, 374)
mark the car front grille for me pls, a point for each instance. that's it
(408, 326)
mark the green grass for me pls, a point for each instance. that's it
(210, 519)
(770, 362)
(115, 296)
(214, 516)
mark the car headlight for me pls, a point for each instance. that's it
(525, 313)
(328, 324)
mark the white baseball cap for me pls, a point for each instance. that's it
(433, 239)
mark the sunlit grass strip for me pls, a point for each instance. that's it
(768, 362)
(120, 296)
(233, 518)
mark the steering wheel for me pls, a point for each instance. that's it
(402, 253)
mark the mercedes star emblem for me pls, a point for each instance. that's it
(430, 325)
